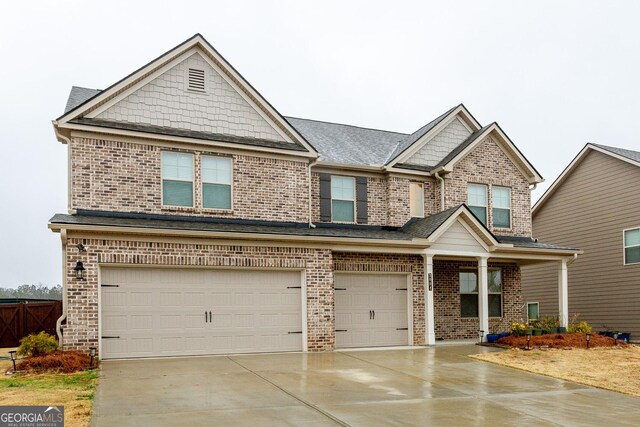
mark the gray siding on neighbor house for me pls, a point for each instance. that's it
(590, 210)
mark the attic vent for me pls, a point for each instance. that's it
(196, 80)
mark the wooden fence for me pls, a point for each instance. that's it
(18, 320)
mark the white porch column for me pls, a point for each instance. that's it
(429, 316)
(563, 294)
(483, 295)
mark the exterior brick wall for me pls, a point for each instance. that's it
(398, 196)
(446, 293)
(121, 176)
(81, 329)
(487, 164)
(391, 263)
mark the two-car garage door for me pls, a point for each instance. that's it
(148, 312)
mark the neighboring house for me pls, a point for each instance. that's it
(594, 204)
(202, 221)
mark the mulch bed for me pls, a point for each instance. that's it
(58, 361)
(577, 340)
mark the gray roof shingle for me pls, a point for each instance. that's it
(341, 143)
(78, 96)
(629, 154)
(420, 228)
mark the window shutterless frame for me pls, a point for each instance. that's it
(344, 199)
(222, 181)
(478, 201)
(177, 179)
(500, 205)
(475, 293)
(416, 199)
(630, 243)
(530, 304)
(497, 293)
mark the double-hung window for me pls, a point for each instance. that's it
(501, 206)
(177, 179)
(343, 196)
(477, 201)
(468, 293)
(416, 199)
(216, 182)
(494, 277)
(632, 246)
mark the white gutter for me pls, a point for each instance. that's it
(311, 224)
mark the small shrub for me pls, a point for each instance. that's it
(582, 327)
(518, 329)
(58, 361)
(550, 322)
(37, 345)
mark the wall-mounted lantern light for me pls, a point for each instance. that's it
(430, 281)
(81, 272)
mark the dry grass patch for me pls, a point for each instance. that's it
(613, 368)
(74, 391)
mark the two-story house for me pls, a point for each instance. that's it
(202, 221)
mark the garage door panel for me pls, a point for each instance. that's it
(372, 309)
(161, 312)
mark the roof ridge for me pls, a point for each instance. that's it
(345, 124)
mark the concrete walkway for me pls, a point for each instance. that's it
(436, 386)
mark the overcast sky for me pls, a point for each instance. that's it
(555, 75)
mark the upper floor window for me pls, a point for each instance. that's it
(177, 179)
(216, 182)
(501, 204)
(632, 246)
(343, 196)
(477, 201)
(416, 199)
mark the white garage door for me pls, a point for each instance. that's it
(371, 310)
(174, 312)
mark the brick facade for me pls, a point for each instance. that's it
(81, 328)
(488, 164)
(126, 177)
(446, 294)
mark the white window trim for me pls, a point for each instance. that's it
(421, 186)
(344, 200)
(486, 199)
(624, 246)
(213, 182)
(192, 181)
(532, 303)
(510, 208)
(501, 293)
(469, 270)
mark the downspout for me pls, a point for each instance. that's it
(575, 257)
(311, 224)
(63, 237)
(441, 179)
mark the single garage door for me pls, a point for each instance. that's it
(371, 310)
(147, 312)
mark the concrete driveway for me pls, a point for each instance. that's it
(424, 386)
